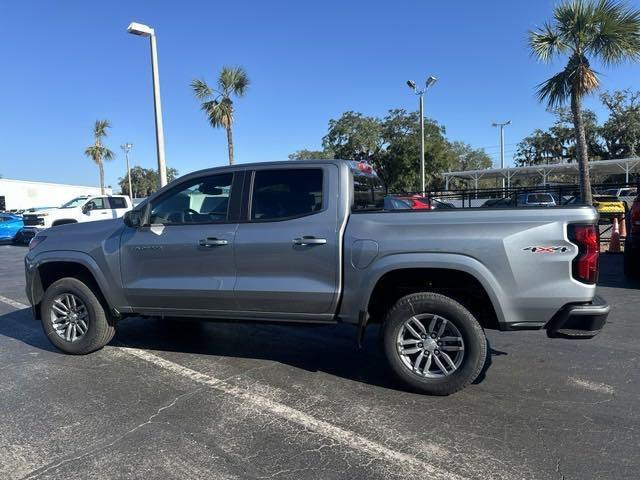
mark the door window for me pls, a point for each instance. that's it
(284, 194)
(96, 204)
(201, 200)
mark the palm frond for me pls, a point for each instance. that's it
(556, 90)
(545, 43)
(219, 113)
(201, 90)
(617, 36)
(575, 22)
(100, 128)
(233, 80)
(577, 78)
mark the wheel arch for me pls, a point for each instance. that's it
(48, 271)
(454, 275)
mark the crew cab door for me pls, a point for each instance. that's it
(96, 209)
(287, 247)
(182, 262)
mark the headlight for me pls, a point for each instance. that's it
(35, 241)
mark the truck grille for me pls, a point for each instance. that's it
(32, 220)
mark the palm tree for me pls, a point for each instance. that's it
(605, 30)
(98, 152)
(217, 103)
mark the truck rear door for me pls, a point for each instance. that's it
(287, 248)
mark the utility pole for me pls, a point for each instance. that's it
(420, 93)
(127, 148)
(502, 125)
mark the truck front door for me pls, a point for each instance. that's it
(183, 261)
(287, 247)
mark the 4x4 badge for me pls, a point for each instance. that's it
(561, 249)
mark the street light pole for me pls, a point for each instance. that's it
(127, 148)
(420, 93)
(502, 125)
(146, 31)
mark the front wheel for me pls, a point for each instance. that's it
(433, 344)
(74, 319)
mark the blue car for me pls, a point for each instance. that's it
(10, 225)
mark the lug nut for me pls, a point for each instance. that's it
(437, 352)
(423, 336)
(420, 345)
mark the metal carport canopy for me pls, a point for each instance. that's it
(623, 165)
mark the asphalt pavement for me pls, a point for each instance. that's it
(190, 400)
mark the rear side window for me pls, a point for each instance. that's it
(117, 202)
(283, 194)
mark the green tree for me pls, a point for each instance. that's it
(468, 158)
(144, 181)
(606, 30)
(621, 132)
(217, 102)
(98, 152)
(391, 145)
(311, 155)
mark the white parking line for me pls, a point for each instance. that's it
(408, 464)
(594, 386)
(13, 303)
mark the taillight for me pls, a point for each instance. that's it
(585, 265)
(635, 218)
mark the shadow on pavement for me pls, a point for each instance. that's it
(329, 349)
(612, 272)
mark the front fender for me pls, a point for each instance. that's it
(359, 284)
(113, 296)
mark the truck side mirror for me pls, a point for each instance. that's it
(133, 218)
(87, 208)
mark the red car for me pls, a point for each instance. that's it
(632, 242)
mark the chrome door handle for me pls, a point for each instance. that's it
(212, 242)
(309, 241)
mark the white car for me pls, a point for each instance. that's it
(78, 210)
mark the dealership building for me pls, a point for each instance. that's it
(23, 194)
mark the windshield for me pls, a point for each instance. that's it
(76, 202)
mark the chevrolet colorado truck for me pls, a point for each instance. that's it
(309, 242)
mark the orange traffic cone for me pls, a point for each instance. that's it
(623, 228)
(614, 243)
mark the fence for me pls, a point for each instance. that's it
(612, 201)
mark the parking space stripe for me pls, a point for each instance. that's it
(13, 303)
(406, 462)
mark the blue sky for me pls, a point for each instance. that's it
(66, 63)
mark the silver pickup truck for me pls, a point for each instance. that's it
(311, 242)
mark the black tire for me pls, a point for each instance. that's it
(100, 329)
(475, 342)
(631, 263)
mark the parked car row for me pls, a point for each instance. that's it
(21, 229)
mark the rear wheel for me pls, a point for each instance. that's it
(74, 319)
(433, 343)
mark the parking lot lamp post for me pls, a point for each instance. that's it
(502, 125)
(420, 93)
(127, 148)
(146, 31)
